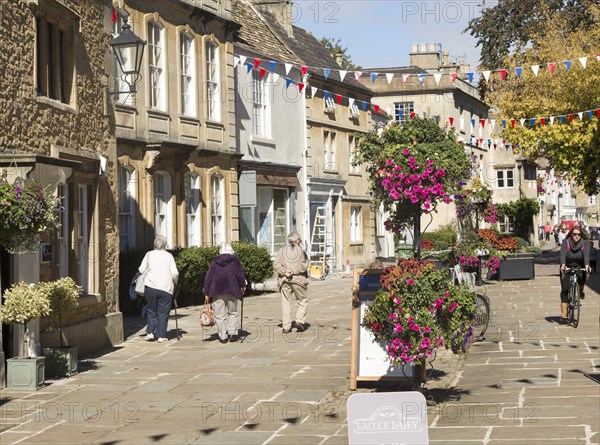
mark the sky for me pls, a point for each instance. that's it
(380, 33)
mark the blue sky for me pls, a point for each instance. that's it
(381, 33)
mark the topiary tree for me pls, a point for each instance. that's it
(63, 295)
(256, 261)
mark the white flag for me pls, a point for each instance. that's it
(583, 61)
(236, 60)
(405, 77)
(342, 74)
(522, 122)
(357, 75)
(243, 60)
(350, 102)
(288, 67)
(486, 75)
(437, 77)
(580, 114)
(492, 124)
(535, 69)
(275, 77)
(313, 91)
(551, 120)
(462, 123)
(389, 76)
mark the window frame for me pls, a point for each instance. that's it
(128, 187)
(352, 169)
(165, 226)
(356, 224)
(502, 178)
(213, 96)
(260, 106)
(407, 109)
(330, 150)
(217, 212)
(193, 220)
(157, 73)
(83, 237)
(187, 72)
(62, 233)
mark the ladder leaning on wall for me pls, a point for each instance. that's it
(318, 245)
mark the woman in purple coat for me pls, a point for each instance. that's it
(224, 284)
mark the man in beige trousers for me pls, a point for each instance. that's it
(291, 264)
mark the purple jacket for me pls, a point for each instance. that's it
(225, 276)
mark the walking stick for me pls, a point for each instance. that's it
(242, 322)
(175, 295)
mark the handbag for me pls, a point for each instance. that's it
(140, 283)
(207, 316)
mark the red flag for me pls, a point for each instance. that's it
(412, 114)
(598, 112)
(570, 118)
(256, 63)
(598, 57)
(453, 76)
(301, 86)
(114, 15)
(512, 123)
(482, 122)
(542, 121)
(451, 119)
(262, 73)
(338, 98)
(551, 67)
(503, 74)
(376, 108)
(304, 69)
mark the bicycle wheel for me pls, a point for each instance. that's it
(481, 317)
(575, 305)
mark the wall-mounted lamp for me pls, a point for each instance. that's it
(128, 49)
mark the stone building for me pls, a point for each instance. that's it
(176, 149)
(55, 127)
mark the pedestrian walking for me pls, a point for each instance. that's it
(594, 253)
(562, 234)
(556, 231)
(573, 252)
(547, 231)
(158, 288)
(225, 284)
(291, 265)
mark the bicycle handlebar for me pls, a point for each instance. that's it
(574, 269)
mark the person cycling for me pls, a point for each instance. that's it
(573, 252)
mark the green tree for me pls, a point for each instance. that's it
(572, 147)
(336, 49)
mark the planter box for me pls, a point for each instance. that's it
(61, 362)
(518, 266)
(25, 373)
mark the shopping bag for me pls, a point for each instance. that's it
(140, 283)
(207, 316)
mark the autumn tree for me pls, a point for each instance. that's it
(339, 52)
(571, 147)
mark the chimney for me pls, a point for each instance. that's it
(338, 59)
(427, 55)
(281, 10)
(445, 56)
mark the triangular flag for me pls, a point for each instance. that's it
(492, 123)
(522, 122)
(343, 74)
(451, 119)
(275, 77)
(453, 77)
(504, 123)
(567, 64)
(114, 15)
(598, 57)
(503, 74)
(482, 123)
(300, 86)
(562, 119)
(580, 114)
(376, 108)
(437, 77)
(326, 73)
(304, 70)
(236, 60)
(287, 82)
(535, 69)
(288, 67)
(543, 121)
(374, 77)
(243, 60)
(256, 63)
(552, 67)
(532, 122)
(436, 118)
(472, 123)
(262, 73)
(313, 91)
(272, 65)
(405, 77)
(338, 98)
(551, 120)
(583, 61)
(249, 67)
(486, 75)
(351, 102)
(389, 77)
(422, 78)
(590, 114)
(518, 70)
(598, 112)
(470, 77)
(512, 123)
(388, 110)
(326, 95)
(357, 75)
(462, 123)
(570, 118)
(412, 114)
(363, 105)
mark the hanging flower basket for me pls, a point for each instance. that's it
(26, 211)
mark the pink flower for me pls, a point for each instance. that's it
(410, 282)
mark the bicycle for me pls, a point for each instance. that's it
(573, 303)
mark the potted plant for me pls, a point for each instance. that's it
(63, 295)
(417, 311)
(23, 303)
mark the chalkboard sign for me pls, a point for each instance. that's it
(369, 361)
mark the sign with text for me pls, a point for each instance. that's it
(380, 418)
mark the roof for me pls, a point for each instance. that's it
(399, 69)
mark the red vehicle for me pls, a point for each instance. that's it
(572, 222)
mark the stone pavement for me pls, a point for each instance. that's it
(526, 383)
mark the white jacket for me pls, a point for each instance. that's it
(163, 273)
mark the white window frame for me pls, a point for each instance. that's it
(192, 209)
(62, 234)
(213, 74)
(217, 209)
(354, 169)
(163, 212)
(593, 200)
(260, 103)
(329, 104)
(329, 146)
(127, 207)
(355, 224)
(353, 110)
(83, 237)
(406, 107)
(507, 225)
(187, 74)
(157, 83)
(503, 180)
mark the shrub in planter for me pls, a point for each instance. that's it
(255, 260)
(193, 264)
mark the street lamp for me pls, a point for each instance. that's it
(128, 49)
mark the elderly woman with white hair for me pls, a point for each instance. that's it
(224, 284)
(159, 285)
